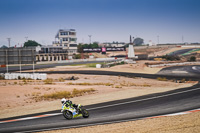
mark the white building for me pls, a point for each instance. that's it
(67, 39)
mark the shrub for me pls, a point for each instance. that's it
(48, 81)
(108, 84)
(77, 56)
(192, 58)
(61, 80)
(67, 94)
(161, 79)
(76, 93)
(37, 88)
(118, 86)
(171, 57)
(122, 62)
(182, 81)
(146, 85)
(57, 95)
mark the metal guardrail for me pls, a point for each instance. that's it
(174, 64)
(79, 60)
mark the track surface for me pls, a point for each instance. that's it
(186, 71)
(179, 52)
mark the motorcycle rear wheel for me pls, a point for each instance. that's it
(67, 114)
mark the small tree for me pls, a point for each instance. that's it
(77, 56)
(80, 48)
(171, 57)
(30, 43)
(192, 58)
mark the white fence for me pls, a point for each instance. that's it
(41, 76)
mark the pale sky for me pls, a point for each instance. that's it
(105, 20)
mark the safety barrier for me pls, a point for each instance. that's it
(175, 64)
(78, 60)
(40, 76)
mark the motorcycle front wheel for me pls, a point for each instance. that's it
(85, 113)
(67, 114)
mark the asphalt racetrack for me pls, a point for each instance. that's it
(192, 70)
(115, 111)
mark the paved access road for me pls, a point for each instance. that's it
(115, 111)
(192, 70)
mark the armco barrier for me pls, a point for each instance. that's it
(175, 64)
(41, 76)
(78, 60)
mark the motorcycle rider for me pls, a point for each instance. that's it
(69, 103)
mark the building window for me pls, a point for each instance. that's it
(63, 33)
(65, 39)
(73, 39)
(73, 45)
(72, 33)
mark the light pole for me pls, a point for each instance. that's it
(158, 39)
(9, 42)
(90, 38)
(182, 39)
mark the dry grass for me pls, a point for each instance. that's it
(36, 94)
(37, 88)
(123, 84)
(162, 79)
(48, 81)
(67, 94)
(61, 80)
(133, 84)
(117, 86)
(85, 83)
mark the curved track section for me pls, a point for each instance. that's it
(192, 71)
(167, 74)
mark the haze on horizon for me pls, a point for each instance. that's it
(173, 21)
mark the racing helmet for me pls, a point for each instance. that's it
(63, 100)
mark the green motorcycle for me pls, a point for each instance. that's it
(70, 112)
